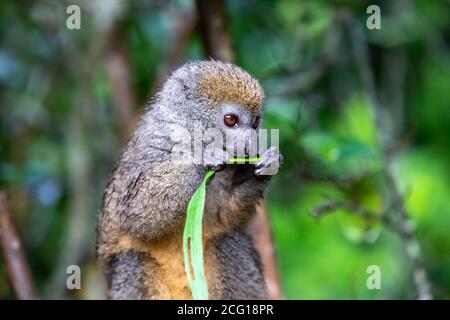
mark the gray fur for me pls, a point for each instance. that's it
(147, 196)
(240, 266)
(125, 276)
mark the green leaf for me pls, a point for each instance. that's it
(193, 242)
(193, 236)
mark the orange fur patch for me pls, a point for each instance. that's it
(168, 280)
(221, 83)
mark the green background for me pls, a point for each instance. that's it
(62, 128)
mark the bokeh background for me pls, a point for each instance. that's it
(364, 120)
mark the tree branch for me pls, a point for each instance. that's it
(261, 232)
(358, 210)
(405, 224)
(214, 30)
(13, 252)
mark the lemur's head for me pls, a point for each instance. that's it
(218, 95)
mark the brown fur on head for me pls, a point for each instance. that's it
(226, 83)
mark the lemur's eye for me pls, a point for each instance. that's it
(230, 120)
(256, 123)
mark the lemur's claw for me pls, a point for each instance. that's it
(269, 163)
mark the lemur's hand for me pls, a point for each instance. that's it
(269, 163)
(215, 158)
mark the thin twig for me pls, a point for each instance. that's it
(260, 229)
(14, 255)
(310, 174)
(407, 234)
(357, 209)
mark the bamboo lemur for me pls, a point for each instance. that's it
(139, 232)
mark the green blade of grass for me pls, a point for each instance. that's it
(193, 236)
(244, 160)
(193, 242)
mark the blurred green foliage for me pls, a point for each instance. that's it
(61, 130)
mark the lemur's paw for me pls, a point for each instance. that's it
(269, 163)
(215, 158)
